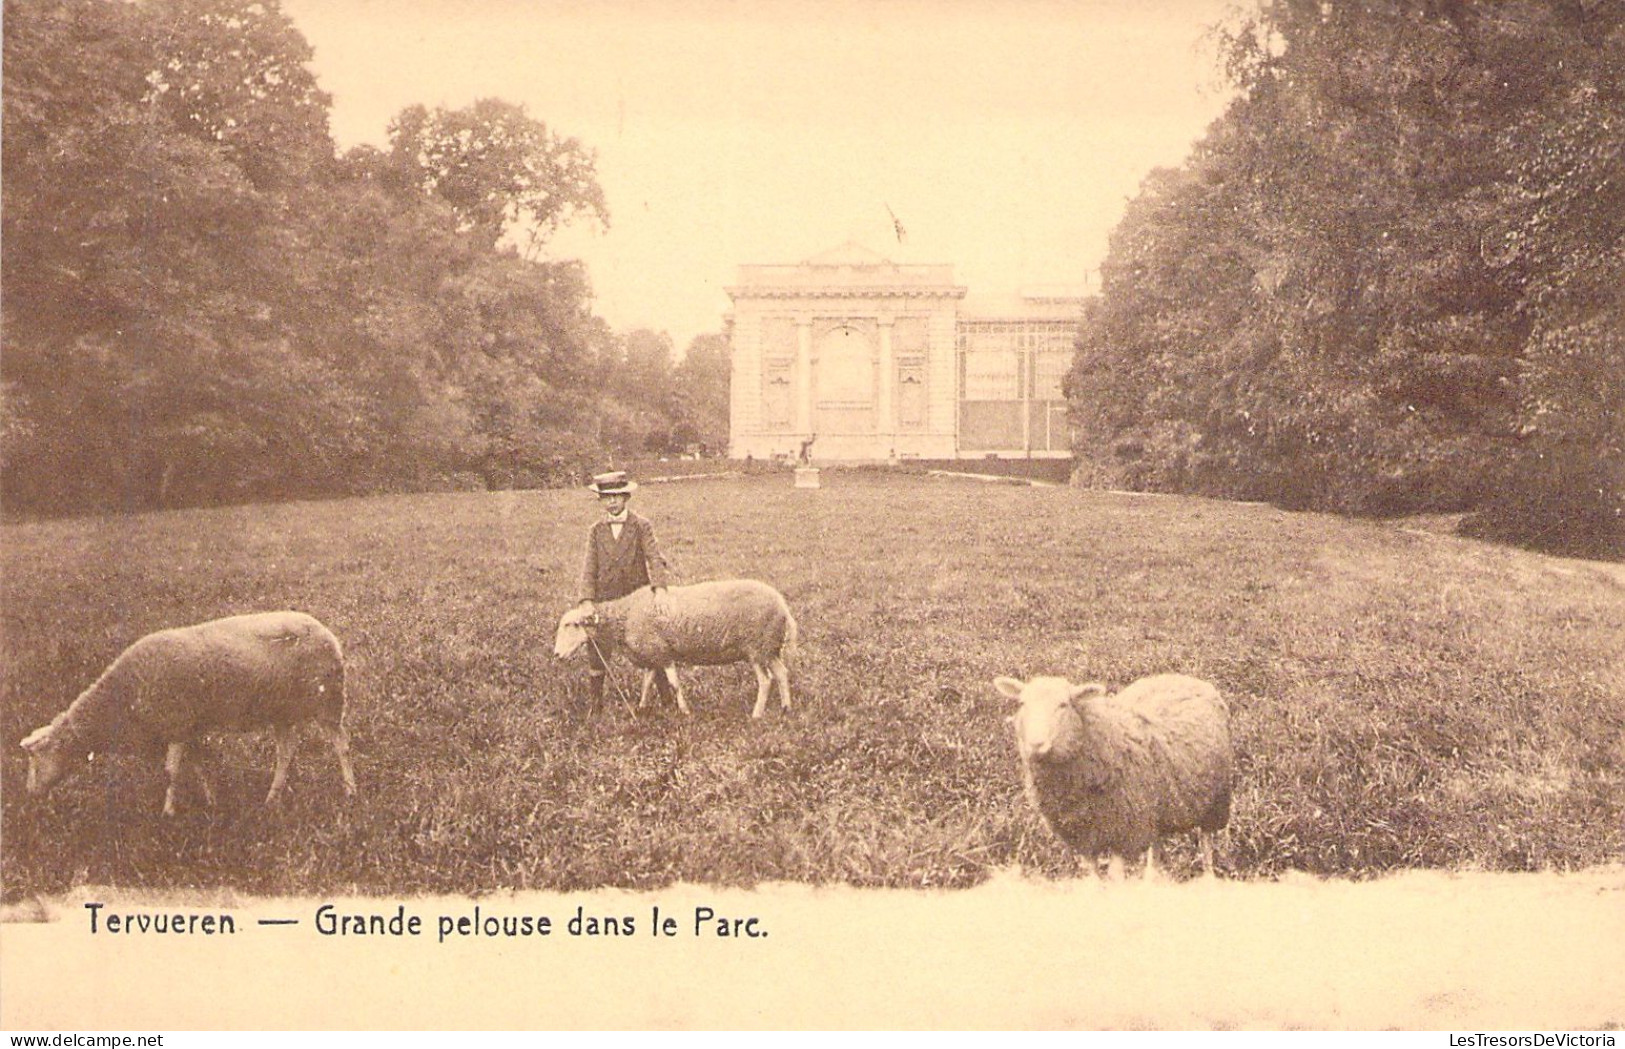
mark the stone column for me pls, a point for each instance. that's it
(886, 415)
(804, 376)
(1024, 371)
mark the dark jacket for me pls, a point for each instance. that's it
(616, 567)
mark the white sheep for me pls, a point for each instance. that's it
(276, 669)
(1111, 773)
(702, 624)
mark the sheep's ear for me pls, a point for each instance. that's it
(1088, 691)
(580, 616)
(37, 738)
(1008, 687)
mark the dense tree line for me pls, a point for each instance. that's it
(1390, 279)
(204, 302)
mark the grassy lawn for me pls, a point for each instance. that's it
(1400, 699)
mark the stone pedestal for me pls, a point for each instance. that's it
(806, 477)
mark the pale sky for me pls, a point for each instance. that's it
(1006, 135)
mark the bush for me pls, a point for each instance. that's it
(1566, 503)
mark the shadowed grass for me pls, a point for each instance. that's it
(1399, 699)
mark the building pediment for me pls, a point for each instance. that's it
(844, 290)
(848, 271)
(849, 254)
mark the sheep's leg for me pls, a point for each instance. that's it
(676, 687)
(340, 741)
(1150, 872)
(763, 680)
(174, 762)
(199, 752)
(648, 683)
(286, 741)
(782, 674)
(1207, 851)
(1114, 867)
(204, 785)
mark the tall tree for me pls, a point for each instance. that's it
(1346, 296)
(135, 255)
(235, 73)
(702, 382)
(204, 304)
(498, 168)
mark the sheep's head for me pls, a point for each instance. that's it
(575, 627)
(51, 758)
(1047, 723)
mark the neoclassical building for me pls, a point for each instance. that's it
(876, 360)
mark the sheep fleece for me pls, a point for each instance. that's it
(1152, 759)
(228, 674)
(706, 624)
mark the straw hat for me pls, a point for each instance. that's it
(614, 483)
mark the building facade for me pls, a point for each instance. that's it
(873, 360)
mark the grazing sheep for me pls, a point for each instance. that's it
(1110, 774)
(703, 624)
(167, 690)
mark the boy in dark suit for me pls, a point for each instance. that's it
(622, 555)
